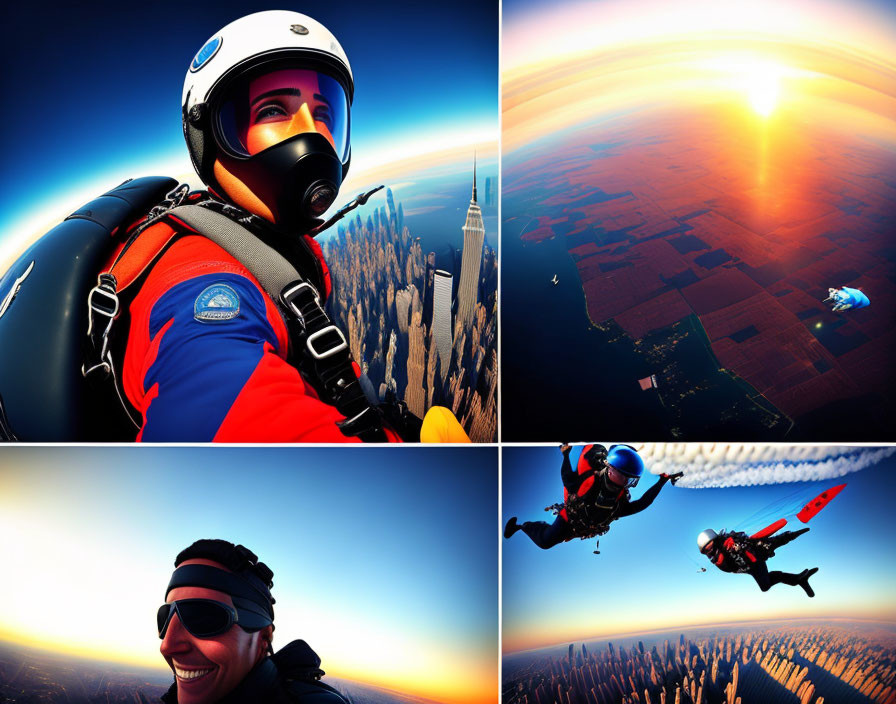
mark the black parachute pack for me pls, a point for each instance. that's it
(43, 318)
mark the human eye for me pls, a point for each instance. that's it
(322, 114)
(269, 113)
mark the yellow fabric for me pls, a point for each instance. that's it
(440, 426)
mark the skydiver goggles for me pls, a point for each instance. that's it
(277, 100)
(625, 480)
(252, 607)
(207, 618)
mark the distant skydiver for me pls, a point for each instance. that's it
(739, 553)
(846, 298)
(594, 495)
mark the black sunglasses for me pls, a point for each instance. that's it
(203, 618)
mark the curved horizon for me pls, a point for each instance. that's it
(647, 576)
(376, 601)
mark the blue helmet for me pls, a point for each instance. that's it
(626, 460)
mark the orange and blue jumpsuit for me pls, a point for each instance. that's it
(225, 380)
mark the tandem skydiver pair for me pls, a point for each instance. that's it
(207, 321)
(598, 493)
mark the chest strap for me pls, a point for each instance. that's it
(317, 348)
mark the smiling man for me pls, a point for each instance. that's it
(217, 626)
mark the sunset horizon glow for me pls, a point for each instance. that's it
(376, 603)
(618, 57)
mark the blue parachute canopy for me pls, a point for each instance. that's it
(846, 298)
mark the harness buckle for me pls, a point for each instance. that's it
(93, 304)
(102, 300)
(327, 352)
(290, 294)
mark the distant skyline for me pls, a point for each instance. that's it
(647, 576)
(354, 536)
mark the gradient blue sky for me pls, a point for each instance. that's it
(647, 575)
(94, 90)
(364, 568)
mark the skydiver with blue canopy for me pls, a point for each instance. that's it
(846, 298)
(594, 495)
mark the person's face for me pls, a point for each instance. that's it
(207, 669)
(283, 104)
(614, 476)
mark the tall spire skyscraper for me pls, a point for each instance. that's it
(441, 318)
(474, 236)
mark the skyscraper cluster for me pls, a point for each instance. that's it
(398, 311)
(801, 665)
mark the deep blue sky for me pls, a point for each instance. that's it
(90, 88)
(647, 573)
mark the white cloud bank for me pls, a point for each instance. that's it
(713, 465)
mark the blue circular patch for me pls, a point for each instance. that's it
(206, 53)
(216, 304)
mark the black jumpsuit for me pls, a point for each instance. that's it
(722, 557)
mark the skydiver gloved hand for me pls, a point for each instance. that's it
(672, 477)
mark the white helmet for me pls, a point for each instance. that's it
(266, 115)
(705, 538)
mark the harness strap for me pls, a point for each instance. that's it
(266, 264)
(317, 348)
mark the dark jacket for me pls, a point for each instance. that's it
(737, 552)
(591, 503)
(290, 675)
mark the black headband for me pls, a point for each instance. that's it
(243, 587)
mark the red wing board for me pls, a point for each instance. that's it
(819, 502)
(769, 530)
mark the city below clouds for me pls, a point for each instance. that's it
(737, 464)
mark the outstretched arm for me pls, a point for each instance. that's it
(646, 499)
(569, 477)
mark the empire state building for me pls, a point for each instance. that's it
(474, 236)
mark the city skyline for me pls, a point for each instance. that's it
(803, 664)
(385, 284)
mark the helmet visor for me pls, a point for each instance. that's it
(619, 479)
(259, 110)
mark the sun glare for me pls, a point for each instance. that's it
(753, 77)
(762, 88)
